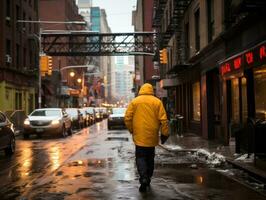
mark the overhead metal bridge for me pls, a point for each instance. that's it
(87, 43)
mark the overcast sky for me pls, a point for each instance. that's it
(119, 13)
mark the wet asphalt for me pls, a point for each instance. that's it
(95, 163)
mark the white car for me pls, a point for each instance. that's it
(48, 120)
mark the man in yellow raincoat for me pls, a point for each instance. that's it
(144, 118)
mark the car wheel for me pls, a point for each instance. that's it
(70, 131)
(64, 132)
(12, 146)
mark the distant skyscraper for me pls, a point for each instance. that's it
(124, 78)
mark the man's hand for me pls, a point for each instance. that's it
(163, 138)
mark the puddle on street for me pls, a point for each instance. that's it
(117, 139)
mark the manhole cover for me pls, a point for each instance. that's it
(117, 139)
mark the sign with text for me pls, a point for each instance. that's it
(251, 58)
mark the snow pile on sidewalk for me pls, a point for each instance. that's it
(172, 147)
(212, 159)
(246, 158)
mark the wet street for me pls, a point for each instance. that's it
(95, 163)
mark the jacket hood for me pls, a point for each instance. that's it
(146, 89)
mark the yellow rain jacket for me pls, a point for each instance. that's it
(144, 117)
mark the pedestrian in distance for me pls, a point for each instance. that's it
(145, 117)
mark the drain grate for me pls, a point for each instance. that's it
(117, 139)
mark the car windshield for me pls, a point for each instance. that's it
(46, 113)
(89, 110)
(72, 112)
(119, 110)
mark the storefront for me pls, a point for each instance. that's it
(243, 95)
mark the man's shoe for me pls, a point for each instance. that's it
(143, 188)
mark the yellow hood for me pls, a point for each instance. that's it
(146, 89)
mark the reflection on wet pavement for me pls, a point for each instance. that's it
(90, 166)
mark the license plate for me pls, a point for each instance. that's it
(39, 130)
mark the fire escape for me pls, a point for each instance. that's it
(174, 27)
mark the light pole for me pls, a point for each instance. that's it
(39, 38)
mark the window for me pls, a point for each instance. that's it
(260, 95)
(18, 101)
(196, 101)
(235, 101)
(210, 16)
(187, 43)
(30, 25)
(8, 9)
(8, 47)
(197, 29)
(17, 55)
(24, 56)
(17, 15)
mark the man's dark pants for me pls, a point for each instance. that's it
(145, 163)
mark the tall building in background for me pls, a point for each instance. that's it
(18, 56)
(105, 61)
(123, 75)
(99, 82)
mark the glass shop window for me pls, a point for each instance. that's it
(235, 100)
(196, 101)
(260, 92)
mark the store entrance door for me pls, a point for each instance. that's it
(238, 112)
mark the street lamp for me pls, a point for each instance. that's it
(40, 48)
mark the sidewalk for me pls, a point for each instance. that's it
(193, 142)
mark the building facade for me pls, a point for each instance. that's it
(61, 89)
(18, 56)
(142, 21)
(216, 66)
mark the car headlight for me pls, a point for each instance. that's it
(55, 122)
(26, 122)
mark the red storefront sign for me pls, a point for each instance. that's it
(251, 58)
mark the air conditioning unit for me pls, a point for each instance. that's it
(8, 58)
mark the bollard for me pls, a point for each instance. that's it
(180, 125)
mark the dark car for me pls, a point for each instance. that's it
(91, 113)
(76, 117)
(7, 136)
(116, 119)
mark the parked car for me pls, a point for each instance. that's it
(91, 113)
(85, 117)
(76, 117)
(48, 120)
(116, 118)
(98, 114)
(7, 136)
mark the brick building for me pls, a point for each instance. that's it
(216, 66)
(18, 55)
(60, 89)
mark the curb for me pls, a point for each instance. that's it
(252, 172)
(247, 169)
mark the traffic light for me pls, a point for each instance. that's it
(43, 65)
(163, 56)
(50, 65)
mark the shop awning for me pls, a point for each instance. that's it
(167, 83)
(178, 68)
